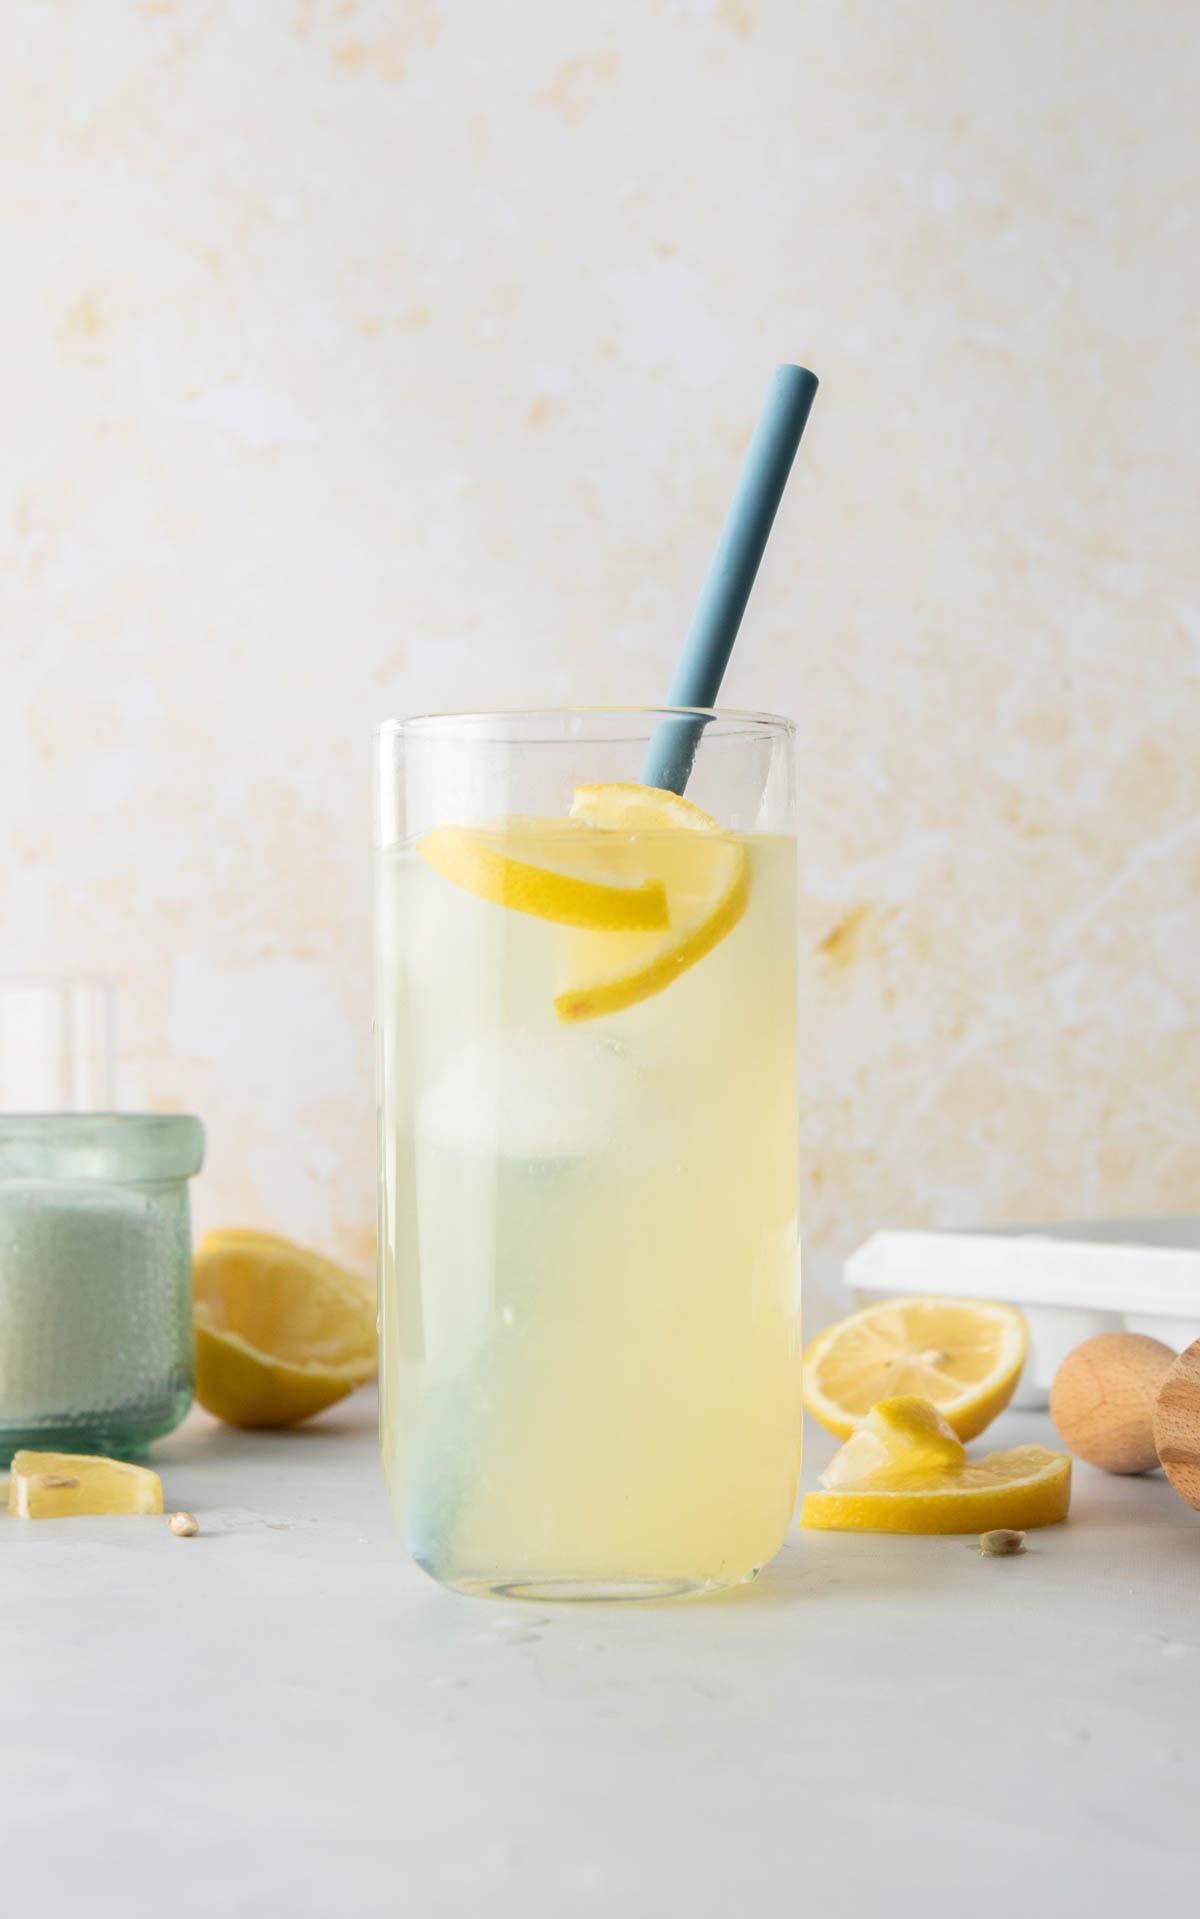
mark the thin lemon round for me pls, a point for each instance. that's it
(541, 868)
(280, 1332)
(1026, 1487)
(706, 876)
(964, 1355)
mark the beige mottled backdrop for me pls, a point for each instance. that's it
(390, 355)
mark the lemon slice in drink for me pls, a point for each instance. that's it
(547, 868)
(705, 874)
(965, 1355)
(1024, 1487)
(72, 1485)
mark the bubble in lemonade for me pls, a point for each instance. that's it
(591, 1325)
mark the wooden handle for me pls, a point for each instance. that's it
(1177, 1425)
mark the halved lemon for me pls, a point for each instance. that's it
(73, 1485)
(705, 873)
(547, 868)
(965, 1355)
(1026, 1487)
(904, 1437)
(280, 1332)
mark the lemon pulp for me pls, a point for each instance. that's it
(74, 1485)
(280, 1332)
(965, 1356)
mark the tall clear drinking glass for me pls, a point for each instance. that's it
(590, 1369)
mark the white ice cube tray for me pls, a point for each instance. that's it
(1070, 1281)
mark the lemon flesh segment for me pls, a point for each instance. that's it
(281, 1333)
(704, 872)
(904, 1437)
(547, 869)
(75, 1485)
(1026, 1487)
(963, 1355)
(912, 1428)
(622, 806)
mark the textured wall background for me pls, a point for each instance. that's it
(366, 358)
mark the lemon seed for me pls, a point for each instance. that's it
(184, 1525)
(1003, 1541)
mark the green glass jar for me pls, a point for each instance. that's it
(96, 1343)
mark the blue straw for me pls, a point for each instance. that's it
(718, 613)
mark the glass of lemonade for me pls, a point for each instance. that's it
(590, 1369)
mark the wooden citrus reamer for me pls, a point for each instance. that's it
(1127, 1404)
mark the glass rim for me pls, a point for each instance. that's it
(104, 1146)
(727, 722)
(56, 982)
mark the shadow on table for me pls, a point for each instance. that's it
(353, 1423)
(808, 1574)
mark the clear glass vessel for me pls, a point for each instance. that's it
(96, 1347)
(590, 1368)
(57, 1045)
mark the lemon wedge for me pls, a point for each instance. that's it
(964, 1355)
(705, 874)
(1026, 1487)
(280, 1332)
(534, 867)
(904, 1436)
(72, 1485)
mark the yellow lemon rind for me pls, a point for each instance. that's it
(625, 807)
(970, 1412)
(1039, 1495)
(247, 1388)
(676, 956)
(470, 861)
(315, 1343)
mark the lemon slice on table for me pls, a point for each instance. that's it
(280, 1332)
(705, 874)
(965, 1355)
(547, 868)
(1026, 1487)
(73, 1485)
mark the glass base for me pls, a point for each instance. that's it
(549, 1589)
(115, 1433)
(92, 1445)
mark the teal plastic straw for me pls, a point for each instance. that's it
(726, 589)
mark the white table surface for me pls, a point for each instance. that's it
(282, 1716)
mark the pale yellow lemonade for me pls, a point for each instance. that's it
(591, 1332)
